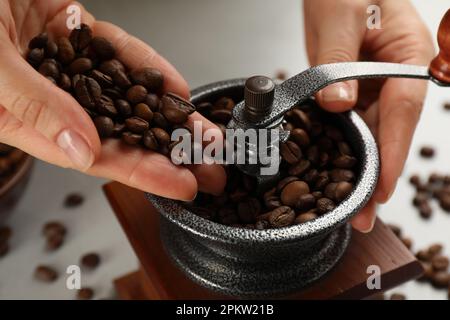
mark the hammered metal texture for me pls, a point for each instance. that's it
(216, 255)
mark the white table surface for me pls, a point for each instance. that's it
(207, 41)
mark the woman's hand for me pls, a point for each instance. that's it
(48, 123)
(336, 31)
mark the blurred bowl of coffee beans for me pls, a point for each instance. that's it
(247, 243)
(15, 170)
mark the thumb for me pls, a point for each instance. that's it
(48, 111)
(336, 37)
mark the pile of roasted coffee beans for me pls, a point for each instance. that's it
(434, 262)
(125, 104)
(317, 172)
(10, 158)
(435, 187)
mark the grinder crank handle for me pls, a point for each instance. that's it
(305, 84)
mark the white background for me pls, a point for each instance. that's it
(207, 41)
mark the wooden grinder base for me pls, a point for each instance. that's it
(159, 278)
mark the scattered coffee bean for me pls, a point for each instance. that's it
(90, 260)
(397, 296)
(73, 200)
(85, 293)
(45, 273)
(427, 152)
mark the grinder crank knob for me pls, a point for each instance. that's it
(258, 97)
(440, 66)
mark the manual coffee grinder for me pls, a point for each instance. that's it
(220, 261)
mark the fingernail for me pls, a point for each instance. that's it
(76, 149)
(371, 225)
(337, 92)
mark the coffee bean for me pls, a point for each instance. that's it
(87, 92)
(64, 82)
(338, 175)
(440, 279)
(35, 57)
(423, 255)
(40, 41)
(90, 260)
(152, 101)
(80, 66)
(102, 79)
(224, 103)
(398, 296)
(290, 152)
(301, 119)
(131, 138)
(444, 202)
(119, 128)
(305, 217)
(325, 205)
(123, 107)
(143, 111)
(427, 152)
(51, 49)
(4, 248)
(161, 136)
(103, 48)
(45, 273)
(344, 162)
(435, 249)
(80, 37)
(66, 52)
(420, 198)
(122, 81)
(343, 189)
(344, 148)
(54, 228)
(311, 176)
(104, 126)
(150, 78)
(300, 137)
(110, 67)
(291, 192)
(5, 233)
(425, 210)
(283, 183)
(160, 121)
(105, 106)
(299, 168)
(415, 180)
(221, 116)
(322, 181)
(305, 202)
(54, 241)
(136, 125)
(172, 112)
(73, 200)
(85, 294)
(49, 69)
(281, 217)
(440, 263)
(136, 94)
(149, 140)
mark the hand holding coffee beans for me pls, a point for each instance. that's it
(126, 104)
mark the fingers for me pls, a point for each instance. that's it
(400, 105)
(144, 170)
(210, 178)
(40, 105)
(336, 31)
(365, 219)
(135, 54)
